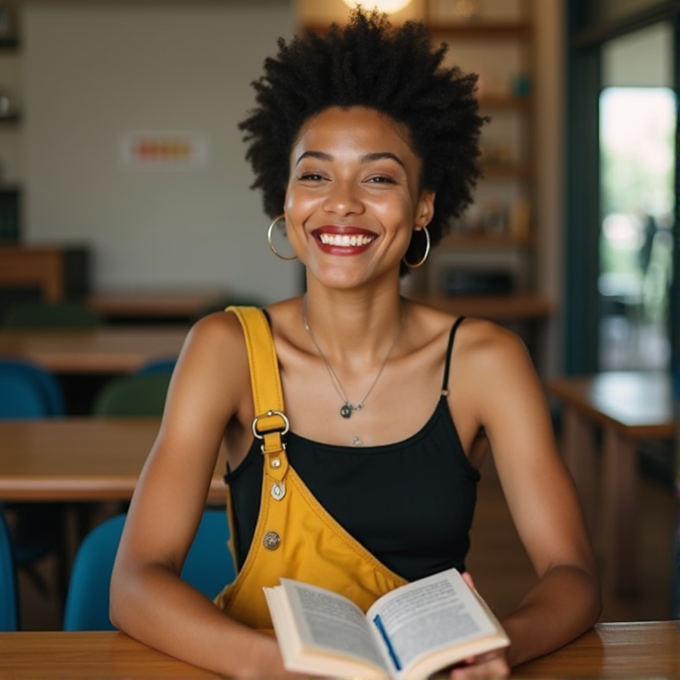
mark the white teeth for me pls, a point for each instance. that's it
(345, 240)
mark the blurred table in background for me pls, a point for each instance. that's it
(159, 306)
(628, 406)
(514, 307)
(80, 459)
(116, 349)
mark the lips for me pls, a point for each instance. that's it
(343, 241)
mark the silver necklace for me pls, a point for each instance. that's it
(348, 407)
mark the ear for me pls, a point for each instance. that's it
(424, 209)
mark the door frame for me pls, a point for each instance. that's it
(582, 225)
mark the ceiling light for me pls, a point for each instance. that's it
(388, 6)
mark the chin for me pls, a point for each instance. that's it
(340, 277)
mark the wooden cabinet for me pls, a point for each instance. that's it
(50, 274)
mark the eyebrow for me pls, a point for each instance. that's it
(366, 158)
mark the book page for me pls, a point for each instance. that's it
(428, 614)
(333, 623)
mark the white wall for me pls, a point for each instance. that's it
(94, 71)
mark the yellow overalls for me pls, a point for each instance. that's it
(294, 537)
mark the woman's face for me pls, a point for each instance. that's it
(354, 198)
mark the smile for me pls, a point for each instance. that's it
(345, 240)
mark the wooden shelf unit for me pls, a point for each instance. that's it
(505, 197)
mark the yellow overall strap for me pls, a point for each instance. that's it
(270, 423)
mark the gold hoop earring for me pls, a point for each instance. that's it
(420, 262)
(270, 232)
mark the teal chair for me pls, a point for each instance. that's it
(208, 567)
(133, 396)
(158, 365)
(9, 608)
(43, 315)
(30, 391)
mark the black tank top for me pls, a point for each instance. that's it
(409, 503)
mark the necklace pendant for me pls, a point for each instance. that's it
(346, 410)
(356, 441)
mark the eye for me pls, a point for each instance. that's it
(381, 179)
(310, 177)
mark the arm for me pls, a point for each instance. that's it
(210, 388)
(510, 404)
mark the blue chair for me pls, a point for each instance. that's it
(208, 567)
(160, 365)
(9, 609)
(29, 391)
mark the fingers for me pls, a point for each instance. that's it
(467, 577)
(491, 665)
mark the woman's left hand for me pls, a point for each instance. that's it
(489, 665)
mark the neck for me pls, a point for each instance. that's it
(354, 326)
(348, 406)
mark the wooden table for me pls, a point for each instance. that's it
(611, 650)
(113, 349)
(614, 650)
(157, 304)
(79, 459)
(515, 307)
(628, 406)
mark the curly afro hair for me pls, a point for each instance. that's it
(395, 71)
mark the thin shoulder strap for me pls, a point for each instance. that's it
(270, 421)
(449, 348)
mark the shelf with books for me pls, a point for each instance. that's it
(465, 240)
(506, 170)
(498, 231)
(481, 29)
(491, 102)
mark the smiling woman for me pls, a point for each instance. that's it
(355, 421)
(360, 198)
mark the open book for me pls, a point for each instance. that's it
(407, 634)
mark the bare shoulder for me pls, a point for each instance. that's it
(213, 361)
(491, 365)
(218, 334)
(218, 328)
(489, 346)
(479, 342)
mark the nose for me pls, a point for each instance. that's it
(343, 198)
